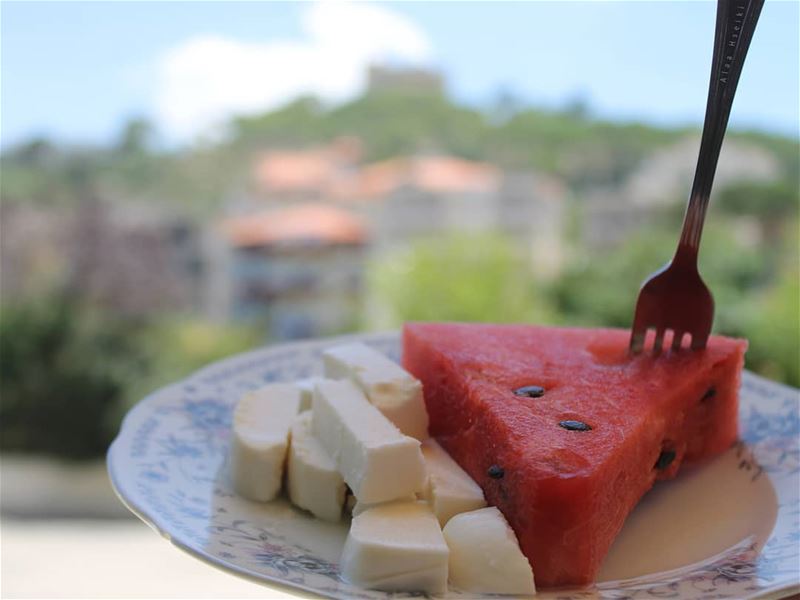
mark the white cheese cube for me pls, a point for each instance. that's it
(387, 385)
(360, 507)
(261, 423)
(485, 557)
(397, 546)
(312, 479)
(377, 461)
(450, 490)
(306, 387)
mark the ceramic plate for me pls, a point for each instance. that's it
(728, 529)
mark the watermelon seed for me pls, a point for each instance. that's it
(575, 426)
(496, 472)
(530, 391)
(665, 459)
(709, 394)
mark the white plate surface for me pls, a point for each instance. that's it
(728, 529)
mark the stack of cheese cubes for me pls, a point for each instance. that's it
(418, 519)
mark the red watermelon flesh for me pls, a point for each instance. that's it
(567, 492)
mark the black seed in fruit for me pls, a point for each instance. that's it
(575, 425)
(496, 472)
(665, 459)
(530, 391)
(709, 394)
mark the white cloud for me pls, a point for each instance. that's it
(208, 78)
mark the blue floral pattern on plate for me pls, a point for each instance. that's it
(168, 465)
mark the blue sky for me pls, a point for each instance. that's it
(76, 71)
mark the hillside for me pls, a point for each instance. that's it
(583, 150)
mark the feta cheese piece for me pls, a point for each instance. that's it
(485, 557)
(450, 490)
(396, 393)
(397, 546)
(306, 387)
(261, 422)
(359, 507)
(313, 481)
(377, 461)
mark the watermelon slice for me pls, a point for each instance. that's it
(564, 432)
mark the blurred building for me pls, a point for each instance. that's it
(292, 254)
(289, 254)
(406, 198)
(425, 196)
(662, 182)
(32, 239)
(131, 259)
(296, 271)
(396, 79)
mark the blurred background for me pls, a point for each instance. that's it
(183, 181)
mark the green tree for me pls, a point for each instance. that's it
(299, 122)
(68, 373)
(136, 137)
(36, 152)
(772, 320)
(601, 289)
(459, 277)
(63, 375)
(392, 123)
(176, 346)
(389, 123)
(770, 202)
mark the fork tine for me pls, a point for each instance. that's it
(637, 341)
(677, 340)
(699, 341)
(659, 341)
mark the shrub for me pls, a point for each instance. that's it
(63, 375)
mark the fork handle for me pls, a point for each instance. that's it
(736, 22)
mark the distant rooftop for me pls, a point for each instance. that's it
(434, 174)
(309, 170)
(332, 172)
(315, 223)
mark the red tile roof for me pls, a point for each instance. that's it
(288, 171)
(332, 172)
(311, 170)
(306, 222)
(435, 174)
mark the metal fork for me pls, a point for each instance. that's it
(675, 298)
